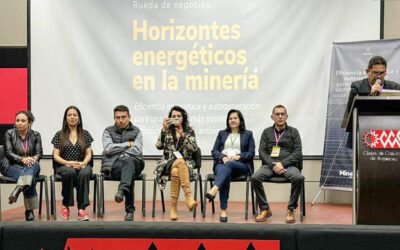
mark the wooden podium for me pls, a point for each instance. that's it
(375, 125)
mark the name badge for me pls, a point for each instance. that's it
(275, 151)
(178, 155)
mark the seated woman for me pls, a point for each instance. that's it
(233, 155)
(72, 153)
(178, 141)
(23, 150)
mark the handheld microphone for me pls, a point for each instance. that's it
(378, 81)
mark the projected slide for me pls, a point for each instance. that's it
(206, 56)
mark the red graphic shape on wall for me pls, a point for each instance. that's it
(13, 93)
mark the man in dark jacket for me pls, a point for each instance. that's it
(123, 160)
(373, 85)
(280, 153)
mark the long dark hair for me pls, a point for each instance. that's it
(185, 121)
(66, 131)
(242, 125)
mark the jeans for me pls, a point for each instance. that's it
(125, 171)
(223, 173)
(17, 171)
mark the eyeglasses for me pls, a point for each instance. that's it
(279, 114)
(378, 73)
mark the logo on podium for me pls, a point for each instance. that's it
(382, 139)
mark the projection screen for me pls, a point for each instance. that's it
(206, 56)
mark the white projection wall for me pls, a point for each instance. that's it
(207, 56)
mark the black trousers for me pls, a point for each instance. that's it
(80, 179)
(126, 170)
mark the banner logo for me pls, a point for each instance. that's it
(382, 139)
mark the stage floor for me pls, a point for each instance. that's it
(332, 214)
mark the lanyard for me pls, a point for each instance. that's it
(177, 142)
(25, 147)
(277, 139)
(233, 141)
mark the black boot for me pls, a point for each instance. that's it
(29, 215)
(14, 195)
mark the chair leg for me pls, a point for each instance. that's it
(101, 196)
(212, 202)
(40, 198)
(302, 203)
(195, 194)
(0, 204)
(94, 195)
(153, 211)
(204, 198)
(304, 199)
(132, 191)
(162, 201)
(252, 199)
(246, 214)
(98, 196)
(46, 194)
(201, 193)
(53, 197)
(144, 195)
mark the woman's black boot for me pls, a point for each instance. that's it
(14, 195)
(29, 215)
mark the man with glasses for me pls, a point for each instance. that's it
(280, 154)
(370, 86)
(374, 83)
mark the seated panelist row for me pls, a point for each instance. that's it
(280, 151)
(233, 153)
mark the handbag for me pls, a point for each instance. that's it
(162, 164)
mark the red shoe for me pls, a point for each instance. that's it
(65, 212)
(82, 215)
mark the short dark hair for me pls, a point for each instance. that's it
(121, 108)
(377, 60)
(242, 125)
(28, 114)
(278, 106)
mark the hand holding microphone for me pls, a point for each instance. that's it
(377, 87)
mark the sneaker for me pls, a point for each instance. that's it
(264, 215)
(128, 217)
(290, 216)
(65, 212)
(83, 216)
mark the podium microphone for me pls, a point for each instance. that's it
(378, 81)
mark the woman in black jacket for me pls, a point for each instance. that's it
(23, 150)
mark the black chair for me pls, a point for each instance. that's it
(197, 179)
(42, 179)
(102, 177)
(57, 178)
(283, 180)
(242, 178)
